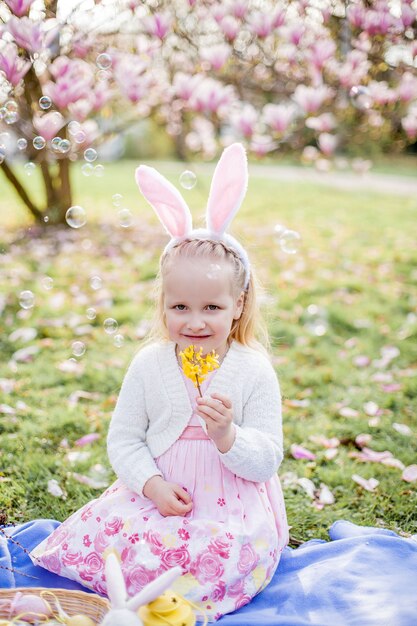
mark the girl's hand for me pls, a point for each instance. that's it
(169, 498)
(216, 411)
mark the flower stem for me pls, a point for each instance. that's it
(198, 385)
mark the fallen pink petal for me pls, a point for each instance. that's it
(369, 484)
(87, 439)
(299, 452)
(410, 474)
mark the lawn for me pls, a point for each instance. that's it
(342, 315)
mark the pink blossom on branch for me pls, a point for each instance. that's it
(211, 96)
(323, 123)
(73, 81)
(26, 33)
(279, 116)
(320, 52)
(216, 55)
(408, 15)
(409, 124)
(245, 120)
(19, 7)
(49, 124)
(131, 77)
(185, 84)
(327, 143)
(158, 24)
(13, 66)
(230, 27)
(310, 99)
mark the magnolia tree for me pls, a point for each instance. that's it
(304, 75)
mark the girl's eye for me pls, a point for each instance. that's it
(180, 307)
(212, 307)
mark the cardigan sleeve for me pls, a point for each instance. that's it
(257, 451)
(128, 452)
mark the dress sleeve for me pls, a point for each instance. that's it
(128, 452)
(257, 451)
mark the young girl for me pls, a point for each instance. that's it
(197, 483)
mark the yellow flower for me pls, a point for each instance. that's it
(196, 367)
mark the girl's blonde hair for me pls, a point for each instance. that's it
(250, 329)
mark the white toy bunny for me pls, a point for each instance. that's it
(228, 188)
(123, 609)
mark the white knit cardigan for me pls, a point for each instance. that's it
(153, 409)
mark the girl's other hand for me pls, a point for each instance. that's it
(216, 411)
(169, 498)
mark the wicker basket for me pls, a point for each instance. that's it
(73, 602)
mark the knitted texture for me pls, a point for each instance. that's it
(153, 409)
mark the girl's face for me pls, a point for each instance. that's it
(200, 304)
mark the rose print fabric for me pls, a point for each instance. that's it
(228, 546)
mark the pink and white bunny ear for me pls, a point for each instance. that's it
(154, 589)
(116, 588)
(166, 200)
(228, 188)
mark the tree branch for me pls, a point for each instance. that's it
(21, 191)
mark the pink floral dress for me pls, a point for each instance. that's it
(228, 546)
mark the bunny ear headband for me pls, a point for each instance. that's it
(228, 188)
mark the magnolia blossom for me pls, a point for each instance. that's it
(239, 8)
(19, 7)
(310, 99)
(185, 85)
(210, 96)
(129, 73)
(216, 55)
(408, 15)
(261, 24)
(378, 22)
(356, 15)
(73, 81)
(230, 27)
(245, 120)
(407, 89)
(327, 143)
(13, 66)
(354, 69)
(380, 92)
(157, 24)
(26, 33)
(321, 51)
(279, 116)
(49, 124)
(323, 123)
(409, 124)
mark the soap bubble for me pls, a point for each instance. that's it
(78, 348)
(55, 143)
(125, 218)
(290, 241)
(26, 299)
(64, 146)
(47, 282)
(87, 169)
(2, 154)
(22, 143)
(46, 219)
(90, 155)
(74, 127)
(29, 168)
(279, 230)
(91, 313)
(316, 320)
(99, 171)
(79, 136)
(103, 61)
(110, 325)
(117, 199)
(45, 103)
(12, 112)
(118, 340)
(75, 217)
(188, 179)
(96, 282)
(39, 142)
(360, 97)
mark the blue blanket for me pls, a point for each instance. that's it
(363, 577)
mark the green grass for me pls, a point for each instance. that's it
(357, 263)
